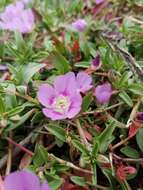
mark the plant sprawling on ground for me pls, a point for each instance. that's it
(71, 94)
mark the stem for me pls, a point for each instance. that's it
(50, 156)
(9, 159)
(17, 150)
(103, 110)
(133, 112)
(132, 160)
(26, 97)
(20, 146)
(82, 136)
(120, 143)
(69, 164)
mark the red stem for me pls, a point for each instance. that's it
(20, 146)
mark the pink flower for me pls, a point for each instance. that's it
(79, 25)
(21, 180)
(103, 93)
(99, 1)
(63, 100)
(16, 17)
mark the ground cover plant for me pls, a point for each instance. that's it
(71, 95)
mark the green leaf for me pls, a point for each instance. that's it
(14, 111)
(136, 88)
(22, 120)
(86, 101)
(130, 152)
(78, 180)
(95, 148)
(2, 106)
(110, 177)
(80, 147)
(10, 99)
(106, 137)
(60, 62)
(126, 98)
(139, 139)
(82, 64)
(41, 156)
(55, 184)
(29, 70)
(94, 177)
(20, 43)
(57, 131)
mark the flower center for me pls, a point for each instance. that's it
(61, 104)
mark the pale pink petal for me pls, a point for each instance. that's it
(21, 180)
(75, 106)
(83, 82)
(65, 84)
(99, 1)
(46, 94)
(53, 115)
(103, 93)
(79, 25)
(45, 186)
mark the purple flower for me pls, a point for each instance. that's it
(63, 99)
(83, 81)
(79, 25)
(16, 17)
(103, 93)
(140, 116)
(96, 63)
(99, 1)
(3, 67)
(24, 180)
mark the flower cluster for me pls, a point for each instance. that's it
(16, 17)
(63, 99)
(21, 180)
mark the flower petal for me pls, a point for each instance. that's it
(75, 106)
(103, 93)
(21, 180)
(53, 115)
(79, 25)
(45, 186)
(83, 82)
(46, 95)
(65, 84)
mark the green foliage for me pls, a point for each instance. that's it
(63, 154)
(139, 139)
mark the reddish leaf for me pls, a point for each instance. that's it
(134, 127)
(87, 176)
(25, 161)
(106, 165)
(77, 188)
(123, 171)
(75, 47)
(87, 135)
(70, 186)
(89, 70)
